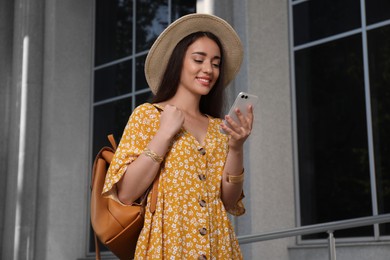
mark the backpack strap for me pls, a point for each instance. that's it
(97, 249)
(112, 141)
(153, 200)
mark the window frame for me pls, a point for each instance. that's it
(363, 30)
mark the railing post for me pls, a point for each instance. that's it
(332, 246)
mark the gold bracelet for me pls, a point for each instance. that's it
(236, 178)
(155, 157)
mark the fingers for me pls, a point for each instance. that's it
(172, 119)
(250, 116)
(240, 129)
(173, 112)
(244, 123)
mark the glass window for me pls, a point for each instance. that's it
(332, 135)
(336, 165)
(110, 118)
(377, 11)
(140, 73)
(142, 98)
(114, 30)
(152, 19)
(180, 8)
(314, 20)
(379, 61)
(113, 81)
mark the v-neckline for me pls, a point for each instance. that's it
(201, 143)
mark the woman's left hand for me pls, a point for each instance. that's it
(239, 131)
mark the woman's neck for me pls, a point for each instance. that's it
(188, 103)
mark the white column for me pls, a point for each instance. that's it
(205, 6)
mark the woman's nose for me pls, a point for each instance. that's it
(207, 67)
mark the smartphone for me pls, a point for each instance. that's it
(243, 100)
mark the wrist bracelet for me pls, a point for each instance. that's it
(155, 157)
(236, 178)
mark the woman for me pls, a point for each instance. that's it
(178, 139)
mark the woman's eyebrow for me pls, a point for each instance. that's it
(205, 54)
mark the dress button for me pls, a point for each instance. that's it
(202, 150)
(202, 257)
(202, 177)
(202, 203)
(203, 231)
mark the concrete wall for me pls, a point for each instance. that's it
(270, 180)
(23, 128)
(44, 200)
(65, 136)
(6, 32)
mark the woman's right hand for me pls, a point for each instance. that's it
(143, 170)
(171, 120)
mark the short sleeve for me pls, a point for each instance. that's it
(140, 129)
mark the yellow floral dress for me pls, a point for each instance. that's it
(190, 221)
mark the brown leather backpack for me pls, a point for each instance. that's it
(117, 226)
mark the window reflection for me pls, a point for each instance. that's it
(152, 19)
(114, 30)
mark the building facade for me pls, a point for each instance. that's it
(72, 71)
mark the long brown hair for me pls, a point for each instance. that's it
(212, 103)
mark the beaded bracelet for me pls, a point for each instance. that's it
(235, 178)
(155, 157)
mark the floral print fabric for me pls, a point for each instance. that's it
(190, 221)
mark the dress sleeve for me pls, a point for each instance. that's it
(138, 132)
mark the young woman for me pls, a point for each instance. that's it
(178, 140)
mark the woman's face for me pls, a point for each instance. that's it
(201, 66)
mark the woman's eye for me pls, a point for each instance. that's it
(216, 65)
(198, 61)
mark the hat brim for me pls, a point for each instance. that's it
(161, 50)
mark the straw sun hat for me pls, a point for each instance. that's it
(162, 48)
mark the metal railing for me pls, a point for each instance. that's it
(329, 228)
